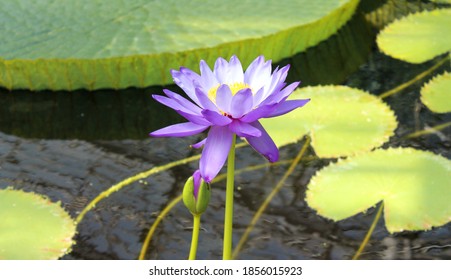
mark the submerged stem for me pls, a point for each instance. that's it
(155, 224)
(176, 200)
(268, 199)
(195, 237)
(415, 79)
(136, 177)
(370, 231)
(228, 219)
(430, 130)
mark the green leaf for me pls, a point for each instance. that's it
(32, 227)
(441, 1)
(436, 94)
(418, 37)
(414, 185)
(93, 44)
(341, 121)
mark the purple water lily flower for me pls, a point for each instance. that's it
(228, 101)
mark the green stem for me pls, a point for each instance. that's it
(228, 219)
(429, 130)
(370, 231)
(268, 199)
(415, 79)
(195, 238)
(155, 224)
(176, 200)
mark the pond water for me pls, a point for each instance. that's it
(71, 146)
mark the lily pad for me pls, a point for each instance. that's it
(414, 185)
(342, 121)
(32, 227)
(418, 37)
(436, 94)
(94, 44)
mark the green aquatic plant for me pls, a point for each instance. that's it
(436, 94)
(230, 103)
(33, 227)
(414, 185)
(342, 121)
(418, 37)
(196, 196)
(441, 1)
(67, 45)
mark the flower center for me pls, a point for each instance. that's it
(234, 88)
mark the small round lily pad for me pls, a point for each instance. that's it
(418, 37)
(436, 94)
(32, 227)
(342, 121)
(414, 185)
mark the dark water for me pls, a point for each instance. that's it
(73, 145)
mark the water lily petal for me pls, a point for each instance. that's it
(204, 101)
(195, 118)
(221, 70)
(197, 179)
(224, 98)
(281, 95)
(170, 103)
(215, 152)
(242, 103)
(216, 118)
(277, 81)
(258, 97)
(179, 130)
(199, 144)
(264, 144)
(208, 78)
(243, 129)
(288, 106)
(183, 101)
(258, 73)
(184, 79)
(258, 113)
(235, 74)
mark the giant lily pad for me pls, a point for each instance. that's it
(436, 94)
(32, 227)
(341, 121)
(118, 43)
(418, 37)
(414, 185)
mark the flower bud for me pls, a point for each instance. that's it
(196, 194)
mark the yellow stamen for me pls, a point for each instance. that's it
(234, 88)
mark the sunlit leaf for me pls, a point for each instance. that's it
(414, 185)
(441, 1)
(436, 94)
(341, 121)
(118, 43)
(418, 37)
(32, 227)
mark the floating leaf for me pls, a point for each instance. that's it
(94, 44)
(436, 94)
(32, 227)
(418, 37)
(341, 121)
(414, 185)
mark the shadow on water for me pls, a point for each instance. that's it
(73, 145)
